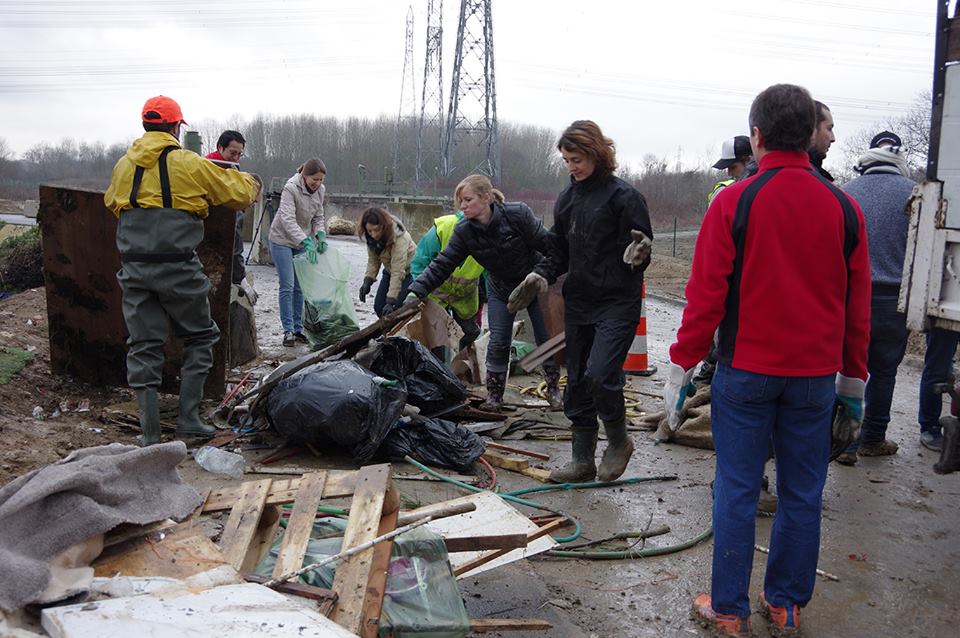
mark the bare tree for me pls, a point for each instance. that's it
(6, 153)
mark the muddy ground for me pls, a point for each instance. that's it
(889, 532)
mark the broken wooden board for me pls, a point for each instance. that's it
(512, 462)
(492, 516)
(339, 483)
(487, 625)
(537, 473)
(487, 557)
(180, 552)
(515, 450)
(297, 534)
(238, 611)
(377, 584)
(544, 351)
(353, 575)
(241, 525)
(483, 543)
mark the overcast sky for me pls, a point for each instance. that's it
(664, 77)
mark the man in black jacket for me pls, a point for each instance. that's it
(822, 138)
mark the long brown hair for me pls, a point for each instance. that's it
(584, 136)
(312, 167)
(377, 216)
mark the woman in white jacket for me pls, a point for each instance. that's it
(297, 227)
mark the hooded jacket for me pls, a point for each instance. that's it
(395, 259)
(299, 214)
(195, 183)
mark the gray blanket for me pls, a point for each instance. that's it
(89, 492)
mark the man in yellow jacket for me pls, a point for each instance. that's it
(160, 194)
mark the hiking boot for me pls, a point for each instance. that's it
(883, 448)
(617, 454)
(719, 624)
(191, 394)
(551, 371)
(781, 621)
(582, 468)
(932, 440)
(950, 454)
(766, 503)
(149, 406)
(496, 384)
(289, 340)
(299, 336)
(847, 458)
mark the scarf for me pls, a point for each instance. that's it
(375, 245)
(886, 159)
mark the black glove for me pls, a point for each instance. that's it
(389, 305)
(365, 288)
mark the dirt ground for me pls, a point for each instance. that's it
(889, 531)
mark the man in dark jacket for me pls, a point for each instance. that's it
(883, 191)
(821, 140)
(781, 267)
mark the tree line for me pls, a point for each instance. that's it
(531, 169)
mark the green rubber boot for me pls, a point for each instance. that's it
(583, 467)
(191, 394)
(617, 454)
(149, 405)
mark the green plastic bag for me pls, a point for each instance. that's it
(518, 350)
(328, 313)
(421, 597)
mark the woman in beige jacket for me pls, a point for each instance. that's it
(389, 245)
(297, 227)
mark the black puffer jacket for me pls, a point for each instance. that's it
(509, 246)
(592, 224)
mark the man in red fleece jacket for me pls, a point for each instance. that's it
(781, 267)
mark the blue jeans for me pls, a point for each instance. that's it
(290, 297)
(937, 368)
(746, 409)
(501, 330)
(888, 343)
(384, 287)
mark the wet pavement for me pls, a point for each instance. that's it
(891, 527)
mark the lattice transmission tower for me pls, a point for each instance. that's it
(473, 96)
(430, 129)
(407, 115)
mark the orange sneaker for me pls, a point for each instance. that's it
(783, 621)
(721, 625)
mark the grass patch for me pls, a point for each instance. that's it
(12, 361)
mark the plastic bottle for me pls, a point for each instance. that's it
(219, 461)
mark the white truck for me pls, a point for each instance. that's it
(930, 289)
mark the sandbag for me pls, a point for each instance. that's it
(338, 402)
(433, 442)
(430, 385)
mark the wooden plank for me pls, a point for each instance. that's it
(537, 473)
(543, 352)
(486, 558)
(506, 461)
(297, 589)
(339, 483)
(352, 575)
(479, 543)
(297, 534)
(377, 584)
(244, 518)
(484, 625)
(263, 538)
(516, 450)
(180, 552)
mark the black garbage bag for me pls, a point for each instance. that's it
(339, 402)
(433, 442)
(430, 385)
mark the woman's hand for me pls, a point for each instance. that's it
(310, 246)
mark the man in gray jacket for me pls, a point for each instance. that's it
(883, 191)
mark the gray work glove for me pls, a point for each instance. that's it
(639, 249)
(524, 294)
(248, 291)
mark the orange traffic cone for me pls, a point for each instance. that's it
(637, 361)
